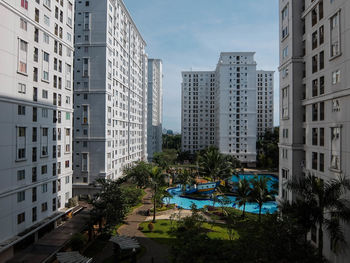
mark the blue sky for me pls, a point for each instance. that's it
(190, 34)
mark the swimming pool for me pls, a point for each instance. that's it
(186, 203)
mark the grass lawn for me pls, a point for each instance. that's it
(162, 231)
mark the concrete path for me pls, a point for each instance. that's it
(156, 253)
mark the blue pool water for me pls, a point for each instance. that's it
(186, 203)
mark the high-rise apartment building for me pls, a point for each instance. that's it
(220, 107)
(110, 93)
(36, 98)
(154, 107)
(197, 125)
(315, 96)
(265, 86)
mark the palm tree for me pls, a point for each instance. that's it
(325, 200)
(260, 192)
(215, 165)
(185, 177)
(243, 191)
(156, 182)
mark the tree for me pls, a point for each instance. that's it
(139, 174)
(326, 204)
(260, 192)
(215, 165)
(267, 148)
(156, 182)
(109, 204)
(185, 177)
(243, 191)
(165, 158)
(172, 141)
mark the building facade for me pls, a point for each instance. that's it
(36, 101)
(265, 86)
(314, 96)
(220, 107)
(154, 107)
(197, 125)
(110, 93)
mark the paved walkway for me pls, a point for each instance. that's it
(52, 241)
(156, 253)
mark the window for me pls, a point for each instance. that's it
(335, 77)
(44, 94)
(47, 3)
(46, 20)
(46, 58)
(321, 60)
(44, 207)
(321, 85)
(44, 169)
(335, 35)
(34, 214)
(22, 56)
(314, 112)
(21, 217)
(322, 111)
(45, 113)
(34, 134)
(285, 13)
(24, 4)
(335, 105)
(314, 40)
(84, 162)
(46, 38)
(35, 114)
(67, 179)
(315, 87)
(321, 162)
(21, 88)
(321, 136)
(21, 175)
(34, 174)
(66, 164)
(321, 35)
(37, 14)
(314, 63)
(67, 116)
(314, 160)
(69, 13)
(21, 110)
(21, 196)
(285, 102)
(23, 24)
(335, 148)
(285, 52)
(314, 136)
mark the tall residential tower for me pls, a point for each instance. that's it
(315, 96)
(36, 98)
(154, 107)
(220, 107)
(110, 93)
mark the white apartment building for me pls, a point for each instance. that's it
(220, 107)
(315, 96)
(198, 89)
(265, 86)
(154, 107)
(236, 106)
(36, 98)
(110, 93)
